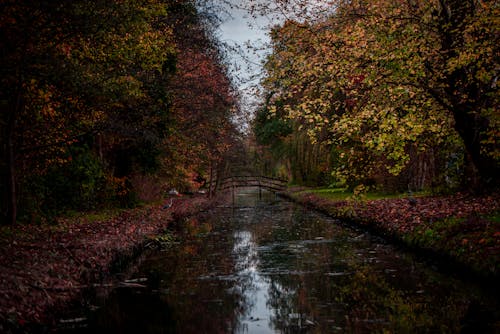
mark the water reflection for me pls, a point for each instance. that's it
(268, 266)
(254, 288)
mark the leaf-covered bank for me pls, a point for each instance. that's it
(461, 231)
(44, 268)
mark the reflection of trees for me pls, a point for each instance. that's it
(376, 304)
(298, 253)
(194, 279)
(358, 295)
(319, 278)
(205, 303)
(247, 283)
(124, 313)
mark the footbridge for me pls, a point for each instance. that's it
(244, 181)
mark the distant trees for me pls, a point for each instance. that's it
(405, 88)
(203, 98)
(89, 98)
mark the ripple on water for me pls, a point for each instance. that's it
(275, 267)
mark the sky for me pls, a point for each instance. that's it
(249, 34)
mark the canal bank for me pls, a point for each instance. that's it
(45, 268)
(458, 233)
(266, 265)
(263, 265)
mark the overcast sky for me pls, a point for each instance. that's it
(248, 35)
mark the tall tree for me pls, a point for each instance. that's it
(71, 70)
(385, 76)
(203, 98)
(465, 70)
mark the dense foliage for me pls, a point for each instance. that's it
(398, 93)
(97, 102)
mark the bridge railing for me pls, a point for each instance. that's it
(270, 183)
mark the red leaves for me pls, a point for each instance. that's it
(357, 79)
(400, 215)
(451, 225)
(44, 267)
(400, 212)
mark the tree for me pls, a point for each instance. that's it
(466, 71)
(74, 71)
(384, 77)
(203, 99)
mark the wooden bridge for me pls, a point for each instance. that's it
(262, 182)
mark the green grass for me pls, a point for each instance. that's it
(339, 194)
(494, 217)
(102, 215)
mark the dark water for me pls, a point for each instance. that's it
(269, 266)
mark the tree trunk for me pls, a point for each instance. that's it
(465, 96)
(11, 181)
(10, 156)
(483, 170)
(210, 184)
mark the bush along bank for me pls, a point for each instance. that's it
(461, 231)
(44, 268)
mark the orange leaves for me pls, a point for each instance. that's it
(202, 103)
(119, 184)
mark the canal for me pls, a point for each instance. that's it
(267, 265)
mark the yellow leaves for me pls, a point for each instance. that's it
(43, 100)
(392, 49)
(119, 184)
(154, 48)
(131, 84)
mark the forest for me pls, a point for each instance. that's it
(379, 119)
(108, 103)
(112, 103)
(390, 96)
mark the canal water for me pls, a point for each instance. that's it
(267, 265)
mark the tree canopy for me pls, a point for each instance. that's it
(96, 92)
(387, 84)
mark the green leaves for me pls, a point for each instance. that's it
(377, 77)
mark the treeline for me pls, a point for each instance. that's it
(387, 94)
(107, 102)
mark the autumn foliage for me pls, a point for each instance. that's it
(398, 93)
(99, 94)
